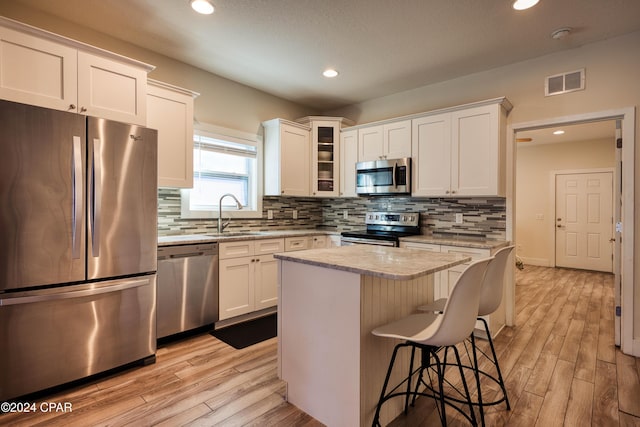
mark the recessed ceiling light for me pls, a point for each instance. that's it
(202, 6)
(330, 73)
(524, 4)
(561, 33)
(558, 132)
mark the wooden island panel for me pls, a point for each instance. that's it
(333, 365)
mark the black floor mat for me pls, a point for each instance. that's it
(248, 333)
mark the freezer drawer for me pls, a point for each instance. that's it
(58, 335)
(187, 287)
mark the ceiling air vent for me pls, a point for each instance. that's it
(563, 83)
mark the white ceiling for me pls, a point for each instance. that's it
(601, 130)
(379, 47)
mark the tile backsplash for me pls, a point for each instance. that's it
(481, 217)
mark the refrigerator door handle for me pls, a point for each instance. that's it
(76, 175)
(96, 202)
(66, 294)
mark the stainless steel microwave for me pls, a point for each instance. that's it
(381, 177)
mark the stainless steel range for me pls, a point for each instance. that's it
(384, 229)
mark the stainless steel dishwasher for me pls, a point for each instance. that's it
(187, 287)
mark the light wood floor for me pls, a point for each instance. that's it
(560, 364)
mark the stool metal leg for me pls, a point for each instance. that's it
(495, 362)
(383, 397)
(476, 373)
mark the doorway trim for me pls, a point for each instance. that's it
(628, 344)
(552, 202)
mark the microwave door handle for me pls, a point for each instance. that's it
(395, 174)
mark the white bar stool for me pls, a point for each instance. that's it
(490, 299)
(430, 332)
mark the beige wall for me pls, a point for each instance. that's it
(612, 82)
(221, 102)
(535, 190)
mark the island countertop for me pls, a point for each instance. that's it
(379, 261)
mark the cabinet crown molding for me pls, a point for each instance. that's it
(343, 121)
(38, 32)
(171, 87)
(503, 101)
(278, 121)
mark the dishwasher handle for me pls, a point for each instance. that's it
(185, 255)
(186, 251)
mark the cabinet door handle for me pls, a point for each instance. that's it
(72, 107)
(83, 109)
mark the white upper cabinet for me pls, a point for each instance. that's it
(461, 152)
(286, 158)
(37, 71)
(348, 160)
(431, 149)
(43, 69)
(111, 89)
(387, 141)
(170, 111)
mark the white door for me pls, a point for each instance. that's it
(584, 221)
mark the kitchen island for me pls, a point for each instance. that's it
(329, 301)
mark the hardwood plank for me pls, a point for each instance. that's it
(572, 341)
(586, 358)
(605, 395)
(554, 406)
(628, 384)
(541, 374)
(580, 403)
(525, 411)
(179, 419)
(627, 420)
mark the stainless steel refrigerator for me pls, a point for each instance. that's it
(78, 241)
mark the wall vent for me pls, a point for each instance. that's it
(564, 83)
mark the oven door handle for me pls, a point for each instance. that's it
(357, 241)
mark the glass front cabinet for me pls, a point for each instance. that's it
(325, 154)
(325, 165)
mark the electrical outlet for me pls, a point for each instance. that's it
(294, 214)
(459, 218)
(269, 213)
(345, 214)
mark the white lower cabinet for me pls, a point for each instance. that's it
(248, 276)
(444, 280)
(248, 272)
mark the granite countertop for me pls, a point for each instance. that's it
(455, 241)
(381, 261)
(231, 236)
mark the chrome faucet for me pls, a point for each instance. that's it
(222, 225)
